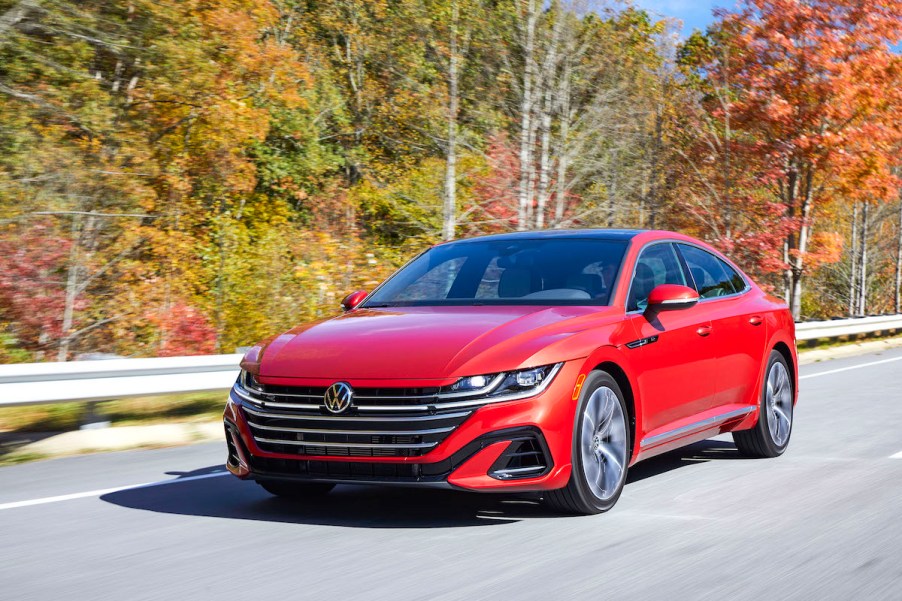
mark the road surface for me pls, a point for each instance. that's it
(821, 522)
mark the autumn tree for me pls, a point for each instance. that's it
(811, 80)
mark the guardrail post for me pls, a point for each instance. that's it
(92, 418)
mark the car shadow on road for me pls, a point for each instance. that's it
(347, 506)
(699, 452)
(373, 506)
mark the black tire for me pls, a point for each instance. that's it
(296, 490)
(758, 442)
(577, 497)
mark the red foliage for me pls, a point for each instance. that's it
(183, 331)
(494, 206)
(33, 282)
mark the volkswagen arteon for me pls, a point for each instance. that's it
(543, 361)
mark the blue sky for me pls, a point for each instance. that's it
(695, 14)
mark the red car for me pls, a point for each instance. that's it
(537, 361)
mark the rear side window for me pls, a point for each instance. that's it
(712, 276)
(658, 264)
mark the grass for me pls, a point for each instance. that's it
(14, 458)
(828, 343)
(63, 417)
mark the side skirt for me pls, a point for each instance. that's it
(695, 427)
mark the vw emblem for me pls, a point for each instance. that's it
(338, 397)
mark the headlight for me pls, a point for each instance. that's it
(505, 386)
(525, 380)
(247, 381)
(471, 383)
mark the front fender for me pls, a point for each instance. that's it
(614, 358)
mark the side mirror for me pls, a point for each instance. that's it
(352, 300)
(671, 296)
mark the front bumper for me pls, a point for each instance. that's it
(496, 447)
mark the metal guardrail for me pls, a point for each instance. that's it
(837, 328)
(87, 381)
(35, 383)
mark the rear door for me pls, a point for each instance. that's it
(672, 351)
(738, 331)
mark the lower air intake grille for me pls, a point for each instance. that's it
(526, 457)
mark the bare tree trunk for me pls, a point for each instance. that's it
(13, 15)
(72, 285)
(797, 263)
(524, 200)
(651, 203)
(548, 75)
(544, 159)
(450, 201)
(787, 280)
(219, 317)
(898, 281)
(612, 190)
(863, 262)
(562, 150)
(728, 150)
(798, 189)
(853, 268)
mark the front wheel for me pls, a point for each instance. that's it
(601, 443)
(770, 436)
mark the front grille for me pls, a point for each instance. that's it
(364, 398)
(302, 429)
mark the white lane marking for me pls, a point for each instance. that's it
(836, 371)
(105, 491)
(896, 456)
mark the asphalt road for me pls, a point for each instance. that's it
(821, 522)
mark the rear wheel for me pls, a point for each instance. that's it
(601, 443)
(770, 436)
(296, 490)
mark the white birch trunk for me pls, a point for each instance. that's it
(525, 196)
(449, 211)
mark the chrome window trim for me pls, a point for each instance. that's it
(697, 426)
(729, 263)
(629, 290)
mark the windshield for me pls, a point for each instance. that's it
(546, 271)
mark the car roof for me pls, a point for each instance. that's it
(598, 234)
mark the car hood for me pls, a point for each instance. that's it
(429, 342)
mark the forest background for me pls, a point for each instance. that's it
(190, 177)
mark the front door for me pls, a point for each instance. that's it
(672, 351)
(738, 331)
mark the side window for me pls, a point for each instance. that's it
(658, 264)
(735, 279)
(712, 276)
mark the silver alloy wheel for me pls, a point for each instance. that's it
(779, 404)
(603, 443)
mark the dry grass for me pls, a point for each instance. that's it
(139, 410)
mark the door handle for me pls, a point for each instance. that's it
(756, 320)
(703, 330)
